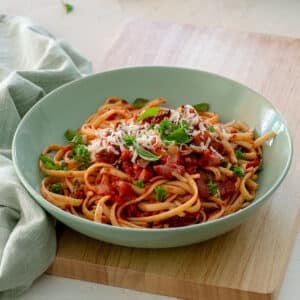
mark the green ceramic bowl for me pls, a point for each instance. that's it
(69, 106)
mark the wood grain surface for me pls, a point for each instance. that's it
(250, 261)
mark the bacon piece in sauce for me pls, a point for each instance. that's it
(210, 159)
(167, 170)
(122, 191)
(226, 189)
(202, 186)
(107, 157)
(254, 163)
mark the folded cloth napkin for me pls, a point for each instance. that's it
(32, 63)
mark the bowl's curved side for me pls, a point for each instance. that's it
(70, 105)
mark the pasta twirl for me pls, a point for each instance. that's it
(143, 165)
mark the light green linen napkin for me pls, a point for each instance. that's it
(32, 63)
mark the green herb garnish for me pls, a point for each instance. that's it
(212, 186)
(50, 164)
(56, 188)
(139, 102)
(149, 112)
(139, 183)
(144, 154)
(160, 193)
(165, 127)
(70, 134)
(63, 166)
(82, 155)
(79, 151)
(211, 128)
(237, 170)
(129, 140)
(179, 136)
(201, 107)
(170, 132)
(239, 153)
(77, 140)
(68, 7)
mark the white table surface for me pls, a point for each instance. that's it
(93, 26)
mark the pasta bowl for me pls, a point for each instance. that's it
(70, 105)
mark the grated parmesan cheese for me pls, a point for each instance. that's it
(112, 139)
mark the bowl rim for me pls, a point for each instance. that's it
(44, 203)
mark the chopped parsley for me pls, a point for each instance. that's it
(82, 155)
(139, 183)
(63, 166)
(212, 186)
(56, 188)
(211, 128)
(80, 152)
(171, 132)
(237, 170)
(239, 153)
(129, 140)
(77, 139)
(201, 107)
(149, 112)
(139, 102)
(160, 193)
(68, 7)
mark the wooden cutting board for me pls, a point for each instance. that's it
(249, 262)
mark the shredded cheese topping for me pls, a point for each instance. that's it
(147, 136)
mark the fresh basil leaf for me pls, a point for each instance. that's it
(139, 102)
(146, 155)
(165, 127)
(77, 140)
(184, 124)
(202, 107)
(170, 132)
(48, 162)
(179, 136)
(70, 134)
(149, 112)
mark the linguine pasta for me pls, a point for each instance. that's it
(143, 165)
